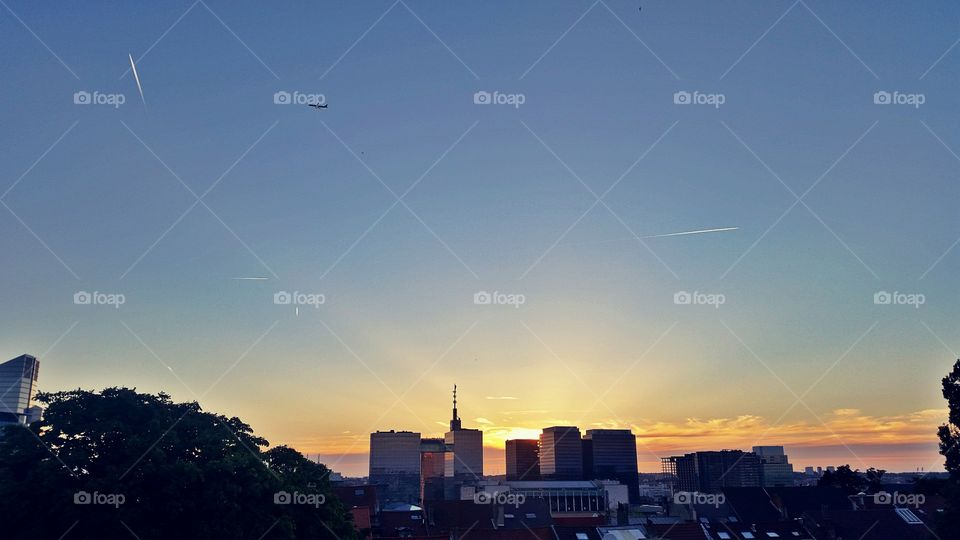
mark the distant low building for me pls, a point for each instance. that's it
(654, 491)
(710, 472)
(563, 497)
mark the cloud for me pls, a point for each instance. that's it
(840, 426)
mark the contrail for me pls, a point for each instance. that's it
(683, 233)
(136, 77)
(701, 231)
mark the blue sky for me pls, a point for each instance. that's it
(503, 206)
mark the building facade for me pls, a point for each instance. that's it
(775, 468)
(523, 459)
(614, 457)
(465, 453)
(18, 386)
(432, 452)
(395, 465)
(710, 472)
(562, 496)
(561, 453)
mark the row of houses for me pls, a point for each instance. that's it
(750, 513)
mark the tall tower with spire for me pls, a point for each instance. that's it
(455, 420)
(463, 460)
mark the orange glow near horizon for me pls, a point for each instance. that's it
(898, 443)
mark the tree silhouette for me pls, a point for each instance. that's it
(949, 522)
(845, 478)
(108, 464)
(875, 479)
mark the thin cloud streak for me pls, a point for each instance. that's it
(136, 77)
(665, 235)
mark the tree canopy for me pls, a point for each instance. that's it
(123, 464)
(845, 478)
(949, 433)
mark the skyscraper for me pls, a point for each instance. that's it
(561, 453)
(18, 386)
(614, 457)
(775, 468)
(523, 459)
(395, 465)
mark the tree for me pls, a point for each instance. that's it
(108, 464)
(875, 479)
(949, 433)
(849, 480)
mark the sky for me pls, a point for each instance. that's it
(525, 150)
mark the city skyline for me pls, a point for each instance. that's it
(497, 197)
(494, 460)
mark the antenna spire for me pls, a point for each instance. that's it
(455, 420)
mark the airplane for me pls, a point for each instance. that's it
(316, 105)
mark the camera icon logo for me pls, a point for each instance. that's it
(482, 298)
(482, 97)
(81, 98)
(281, 97)
(682, 298)
(882, 98)
(82, 298)
(82, 497)
(282, 298)
(281, 497)
(882, 298)
(681, 98)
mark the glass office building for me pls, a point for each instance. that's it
(18, 386)
(561, 453)
(614, 457)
